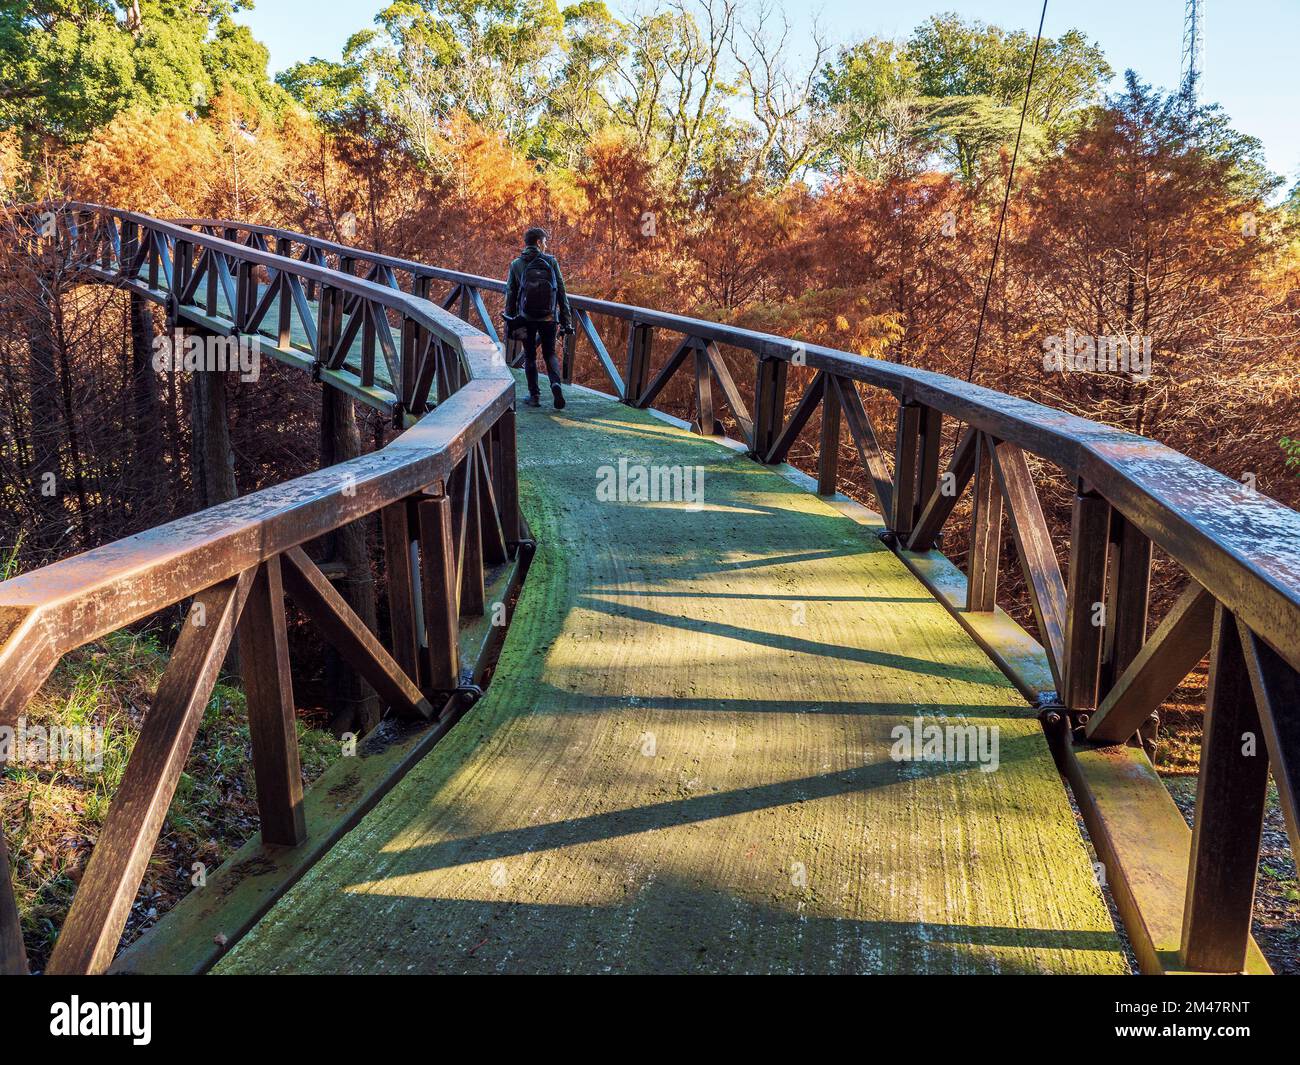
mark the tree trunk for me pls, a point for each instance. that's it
(354, 707)
(44, 472)
(146, 424)
(212, 461)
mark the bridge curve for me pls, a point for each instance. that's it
(684, 761)
(447, 492)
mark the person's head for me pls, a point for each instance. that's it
(535, 238)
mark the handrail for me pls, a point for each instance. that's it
(445, 488)
(1243, 546)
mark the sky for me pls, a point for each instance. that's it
(1252, 47)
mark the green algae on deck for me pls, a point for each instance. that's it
(682, 764)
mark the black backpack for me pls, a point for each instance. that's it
(538, 291)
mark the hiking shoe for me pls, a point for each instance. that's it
(559, 397)
(532, 401)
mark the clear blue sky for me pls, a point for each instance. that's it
(1252, 47)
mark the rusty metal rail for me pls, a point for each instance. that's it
(446, 490)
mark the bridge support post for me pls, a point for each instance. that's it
(13, 955)
(907, 445)
(986, 534)
(570, 350)
(769, 404)
(438, 585)
(828, 461)
(1086, 616)
(640, 340)
(1230, 796)
(507, 454)
(705, 423)
(268, 687)
(1128, 601)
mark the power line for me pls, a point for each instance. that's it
(1006, 197)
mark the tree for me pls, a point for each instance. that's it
(791, 129)
(867, 99)
(972, 77)
(72, 65)
(578, 106)
(494, 60)
(1146, 226)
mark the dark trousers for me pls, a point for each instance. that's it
(545, 332)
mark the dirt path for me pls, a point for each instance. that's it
(683, 764)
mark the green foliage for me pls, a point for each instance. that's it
(493, 59)
(955, 88)
(869, 96)
(74, 64)
(1291, 446)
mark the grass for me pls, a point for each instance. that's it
(53, 812)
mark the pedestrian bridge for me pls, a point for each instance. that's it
(738, 724)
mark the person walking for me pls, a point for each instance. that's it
(537, 306)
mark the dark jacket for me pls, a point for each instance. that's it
(516, 280)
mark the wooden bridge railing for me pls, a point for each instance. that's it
(1099, 674)
(446, 490)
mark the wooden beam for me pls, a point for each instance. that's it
(985, 554)
(495, 551)
(907, 451)
(349, 635)
(438, 584)
(928, 457)
(1277, 694)
(90, 934)
(734, 399)
(1178, 644)
(13, 955)
(828, 458)
(1034, 546)
(1230, 794)
(472, 588)
(798, 419)
(640, 343)
(1086, 607)
(396, 523)
(508, 498)
(704, 419)
(272, 721)
(1129, 602)
(938, 508)
(769, 408)
(651, 393)
(870, 453)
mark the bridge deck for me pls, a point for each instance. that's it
(683, 762)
